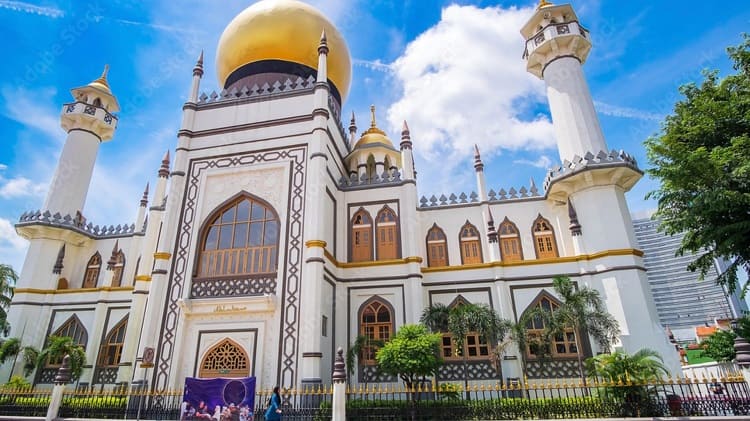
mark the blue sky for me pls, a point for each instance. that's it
(452, 69)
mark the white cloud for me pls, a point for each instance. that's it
(464, 82)
(21, 187)
(625, 112)
(8, 235)
(23, 7)
(3, 167)
(27, 107)
(543, 162)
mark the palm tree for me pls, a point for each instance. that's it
(583, 311)
(8, 278)
(630, 373)
(643, 366)
(462, 320)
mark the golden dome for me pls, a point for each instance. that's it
(282, 31)
(374, 135)
(101, 82)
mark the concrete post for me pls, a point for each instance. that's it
(62, 379)
(339, 387)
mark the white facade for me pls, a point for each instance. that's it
(283, 146)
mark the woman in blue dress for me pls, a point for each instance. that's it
(274, 406)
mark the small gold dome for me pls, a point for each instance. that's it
(374, 135)
(284, 31)
(101, 82)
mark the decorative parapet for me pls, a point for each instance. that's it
(354, 182)
(279, 86)
(77, 224)
(447, 201)
(590, 161)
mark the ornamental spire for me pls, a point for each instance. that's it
(323, 46)
(405, 136)
(164, 169)
(575, 227)
(113, 258)
(478, 164)
(198, 69)
(144, 198)
(373, 123)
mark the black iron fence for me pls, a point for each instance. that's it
(523, 400)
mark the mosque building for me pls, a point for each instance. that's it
(273, 234)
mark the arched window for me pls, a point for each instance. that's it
(97, 102)
(371, 167)
(387, 234)
(74, 329)
(437, 247)
(475, 347)
(471, 248)
(93, 267)
(375, 322)
(361, 237)
(544, 239)
(111, 350)
(225, 359)
(118, 269)
(562, 346)
(242, 238)
(510, 242)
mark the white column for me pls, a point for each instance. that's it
(575, 121)
(70, 184)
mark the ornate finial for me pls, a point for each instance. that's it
(575, 227)
(198, 69)
(491, 232)
(102, 80)
(64, 373)
(57, 269)
(353, 123)
(372, 116)
(113, 258)
(478, 165)
(405, 137)
(144, 198)
(339, 367)
(164, 169)
(543, 3)
(323, 46)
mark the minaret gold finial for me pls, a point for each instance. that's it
(372, 116)
(543, 3)
(102, 80)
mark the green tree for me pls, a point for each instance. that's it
(8, 279)
(630, 372)
(355, 350)
(719, 346)
(701, 157)
(464, 319)
(583, 311)
(412, 355)
(646, 365)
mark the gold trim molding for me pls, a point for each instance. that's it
(144, 278)
(316, 243)
(162, 255)
(566, 259)
(70, 291)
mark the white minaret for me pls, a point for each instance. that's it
(89, 120)
(556, 48)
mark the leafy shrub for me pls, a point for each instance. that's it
(18, 382)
